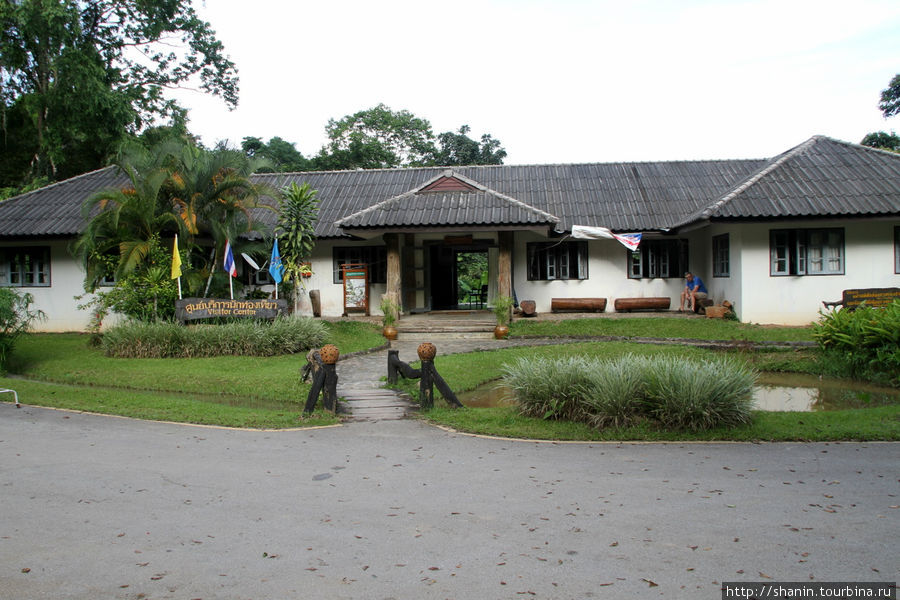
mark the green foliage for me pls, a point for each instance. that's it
(389, 311)
(866, 340)
(296, 232)
(502, 307)
(882, 140)
(673, 392)
(551, 388)
(136, 339)
(84, 74)
(147, 292)
(379, 138)
(283, 155)
(16, 318)
(890, 98)
(697, 395)
(459, 149)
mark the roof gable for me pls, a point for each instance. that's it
(820, 177)
(448, 200)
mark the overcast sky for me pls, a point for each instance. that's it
(562, 81)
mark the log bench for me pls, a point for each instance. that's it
(578, 304)
(629, 304)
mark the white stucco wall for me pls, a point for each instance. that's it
(607, 277)
(796, 300)
(58, 299)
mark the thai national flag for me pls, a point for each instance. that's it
(229, 260)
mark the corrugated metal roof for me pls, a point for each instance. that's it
(54, 210)
(475, 206)
(820, 177)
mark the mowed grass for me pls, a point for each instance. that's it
(467, 371)
(662, 327)
(64, 371)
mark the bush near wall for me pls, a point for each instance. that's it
(137, 339)
(866, 341)
(673, 392)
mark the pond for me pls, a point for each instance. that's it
(773, 392)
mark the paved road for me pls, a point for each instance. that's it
(100, 507)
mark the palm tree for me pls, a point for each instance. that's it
(125, 221)
(213, 196)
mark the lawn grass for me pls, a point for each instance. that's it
(159, 406)
(865, 424)
(662, 327)
(64, 371)
(465, 372)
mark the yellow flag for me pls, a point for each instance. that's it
(176, 260)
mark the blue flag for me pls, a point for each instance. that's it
(229, 260)
(276, 269)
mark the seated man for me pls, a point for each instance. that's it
(693, 290)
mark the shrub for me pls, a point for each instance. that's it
(676, 393)
(288, 335)
(16, 318)
(866, 340)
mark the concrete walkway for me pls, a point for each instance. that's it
(103, 507)
(360, 377)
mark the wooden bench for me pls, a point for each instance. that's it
(578, 304)
(878, 297)
(629, 304)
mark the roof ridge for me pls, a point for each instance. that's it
(58, 183)
(750, 181)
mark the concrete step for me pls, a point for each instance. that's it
(431, 336)
(375, 404)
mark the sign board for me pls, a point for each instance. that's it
(356, 287)
(875, 297)
(190, 309)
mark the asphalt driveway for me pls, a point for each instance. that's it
(101, 507)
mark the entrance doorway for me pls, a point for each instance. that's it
(459, 277)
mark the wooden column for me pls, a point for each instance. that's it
(504, 271)
(392, 240)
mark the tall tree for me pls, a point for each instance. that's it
(377, 138)
(890, 98)
(79, 67)
(283, 155)
(882, 140)
(459, 149)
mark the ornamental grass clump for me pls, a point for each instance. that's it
(671, 392)
(286, 335)
(548, 388)
(616, 392)
(698, 395)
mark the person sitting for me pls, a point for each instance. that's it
(693, 290)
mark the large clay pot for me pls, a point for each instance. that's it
(501, 332)
(329, 354)
(426, 351)
(390, 332)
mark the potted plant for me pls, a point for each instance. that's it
(502, 307)
(389, 309)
